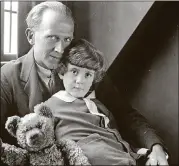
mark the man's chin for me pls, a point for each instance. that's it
(52, 64)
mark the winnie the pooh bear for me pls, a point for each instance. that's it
(35, 135)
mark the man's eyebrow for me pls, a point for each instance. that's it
(48, 35)
(51, 34)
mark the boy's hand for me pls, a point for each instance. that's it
(157, 156)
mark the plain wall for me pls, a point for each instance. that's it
(146, 71)
(157, 97)
(23, 44)
(108, 25)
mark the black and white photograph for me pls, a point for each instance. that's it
(89, 83)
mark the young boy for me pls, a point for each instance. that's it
(82, 117)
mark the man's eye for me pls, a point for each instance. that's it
(68, 39)
(55, 38)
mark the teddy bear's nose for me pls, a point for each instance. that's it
(35, 136)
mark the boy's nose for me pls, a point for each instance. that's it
(79, 79)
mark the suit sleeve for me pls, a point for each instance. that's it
(133, 127)
(6, 98)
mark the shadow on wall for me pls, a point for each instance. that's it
(153, 46)
(81, 11)
(135, 58)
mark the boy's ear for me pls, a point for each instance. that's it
(30, 35)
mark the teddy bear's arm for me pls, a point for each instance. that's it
(73, 153)
(12, 155)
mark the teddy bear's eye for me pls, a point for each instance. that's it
(28, 129)
(39, 126)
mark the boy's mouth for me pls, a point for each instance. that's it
(78, 88)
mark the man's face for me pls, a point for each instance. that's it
(77, 80)
(53, 35)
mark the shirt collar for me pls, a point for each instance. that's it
(42, 71)
(63, 95)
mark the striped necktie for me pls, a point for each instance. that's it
(55, 83)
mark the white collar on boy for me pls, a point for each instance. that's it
(63, 95)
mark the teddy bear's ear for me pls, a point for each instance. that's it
(43, 110)
(12, 124)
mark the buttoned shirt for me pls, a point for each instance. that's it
(44, 74)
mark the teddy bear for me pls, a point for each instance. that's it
(35, 135)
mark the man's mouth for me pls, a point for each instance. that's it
(56, 56)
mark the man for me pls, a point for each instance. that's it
(28, 80)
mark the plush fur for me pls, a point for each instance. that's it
(35, 135)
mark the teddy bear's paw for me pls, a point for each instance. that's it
(81, 161)
(73, 153)
(13, 155)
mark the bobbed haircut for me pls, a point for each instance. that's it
(82, 53)
(34, 17)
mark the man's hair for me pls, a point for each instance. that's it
(34, 17)
(81, 53)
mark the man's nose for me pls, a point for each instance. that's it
(59, 47)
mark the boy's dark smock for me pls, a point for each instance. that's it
(102, 145)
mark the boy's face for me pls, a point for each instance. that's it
(77, 80)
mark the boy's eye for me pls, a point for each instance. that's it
(74, 71)
(67, 39)
(88, 75)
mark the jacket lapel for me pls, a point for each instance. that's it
(30, 77)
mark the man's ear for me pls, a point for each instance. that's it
(30, 35)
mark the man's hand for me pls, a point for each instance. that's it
(157, 156)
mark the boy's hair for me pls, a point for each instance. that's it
(34, 17)
(81, 53)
